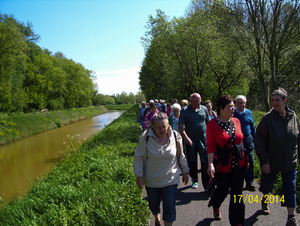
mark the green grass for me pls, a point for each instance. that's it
(18, 126)
(119, 106)
(93, 186)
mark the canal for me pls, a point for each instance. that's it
(26, 160)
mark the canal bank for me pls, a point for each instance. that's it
(25, 160)
(94, 186)
(19, 126)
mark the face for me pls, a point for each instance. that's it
(161, 127)
(153, 110)
(176, 112)
(278, 103)
(240, 104)
(228, 110)
(195, 101)
(208, 106)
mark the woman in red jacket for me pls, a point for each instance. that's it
(226, 160)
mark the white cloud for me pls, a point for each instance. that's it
(116, 81)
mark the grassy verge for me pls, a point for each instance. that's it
(93, 186)
(257, 116)
(18, 126)
(119, 106)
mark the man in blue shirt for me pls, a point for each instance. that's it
(192, 126)
(248, 130)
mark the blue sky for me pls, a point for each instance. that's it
(102, 35)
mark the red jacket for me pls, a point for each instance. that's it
(217, 137)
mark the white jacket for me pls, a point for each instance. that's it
(159, 165)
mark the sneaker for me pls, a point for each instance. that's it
(195, 185)
(291, 222)
(250, 187)
(265, 207)
(217, 214)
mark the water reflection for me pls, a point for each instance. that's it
(23, 161)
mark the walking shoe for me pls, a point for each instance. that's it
(250, 187)
(291, 222)
(195, 185)
(217, 214)
(265, 207)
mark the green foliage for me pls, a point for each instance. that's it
(93, 186)
(101, 99)
(220, 47)
(119, 107)
(32, 79)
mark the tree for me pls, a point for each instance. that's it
(268, 34)
(12, 66)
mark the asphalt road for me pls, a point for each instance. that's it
(191, 207)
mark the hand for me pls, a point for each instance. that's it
(211, 170)
(140, 182)
(185, 178)
(247, 166)
(266, 168)
(188, 141)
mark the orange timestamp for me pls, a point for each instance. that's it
(256, 199)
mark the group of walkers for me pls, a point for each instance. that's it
(225, 141)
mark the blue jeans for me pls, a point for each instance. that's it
(288, 189)
(168, 196)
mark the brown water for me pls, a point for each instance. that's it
(24, 161)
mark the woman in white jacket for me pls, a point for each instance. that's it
(158, 161)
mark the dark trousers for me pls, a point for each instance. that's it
(249, 177)
(193, 165)
(235, 181)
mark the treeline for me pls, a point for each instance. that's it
(224, 47)
(32, 78)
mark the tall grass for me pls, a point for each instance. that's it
(93, 186)
(17, 126)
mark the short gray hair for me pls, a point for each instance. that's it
(281, 92)
(159, 116)
(176, 106)
(241, 97)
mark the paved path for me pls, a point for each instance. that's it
(192, 209)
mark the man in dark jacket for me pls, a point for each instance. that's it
(277, 147)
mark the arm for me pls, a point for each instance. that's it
(181, 159)
(252, 126)
(139, 161)
(211, 168)
(187, 140)
(211, 148)
(261, 145)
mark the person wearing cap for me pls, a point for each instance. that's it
(277, 147)
(248, 129)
